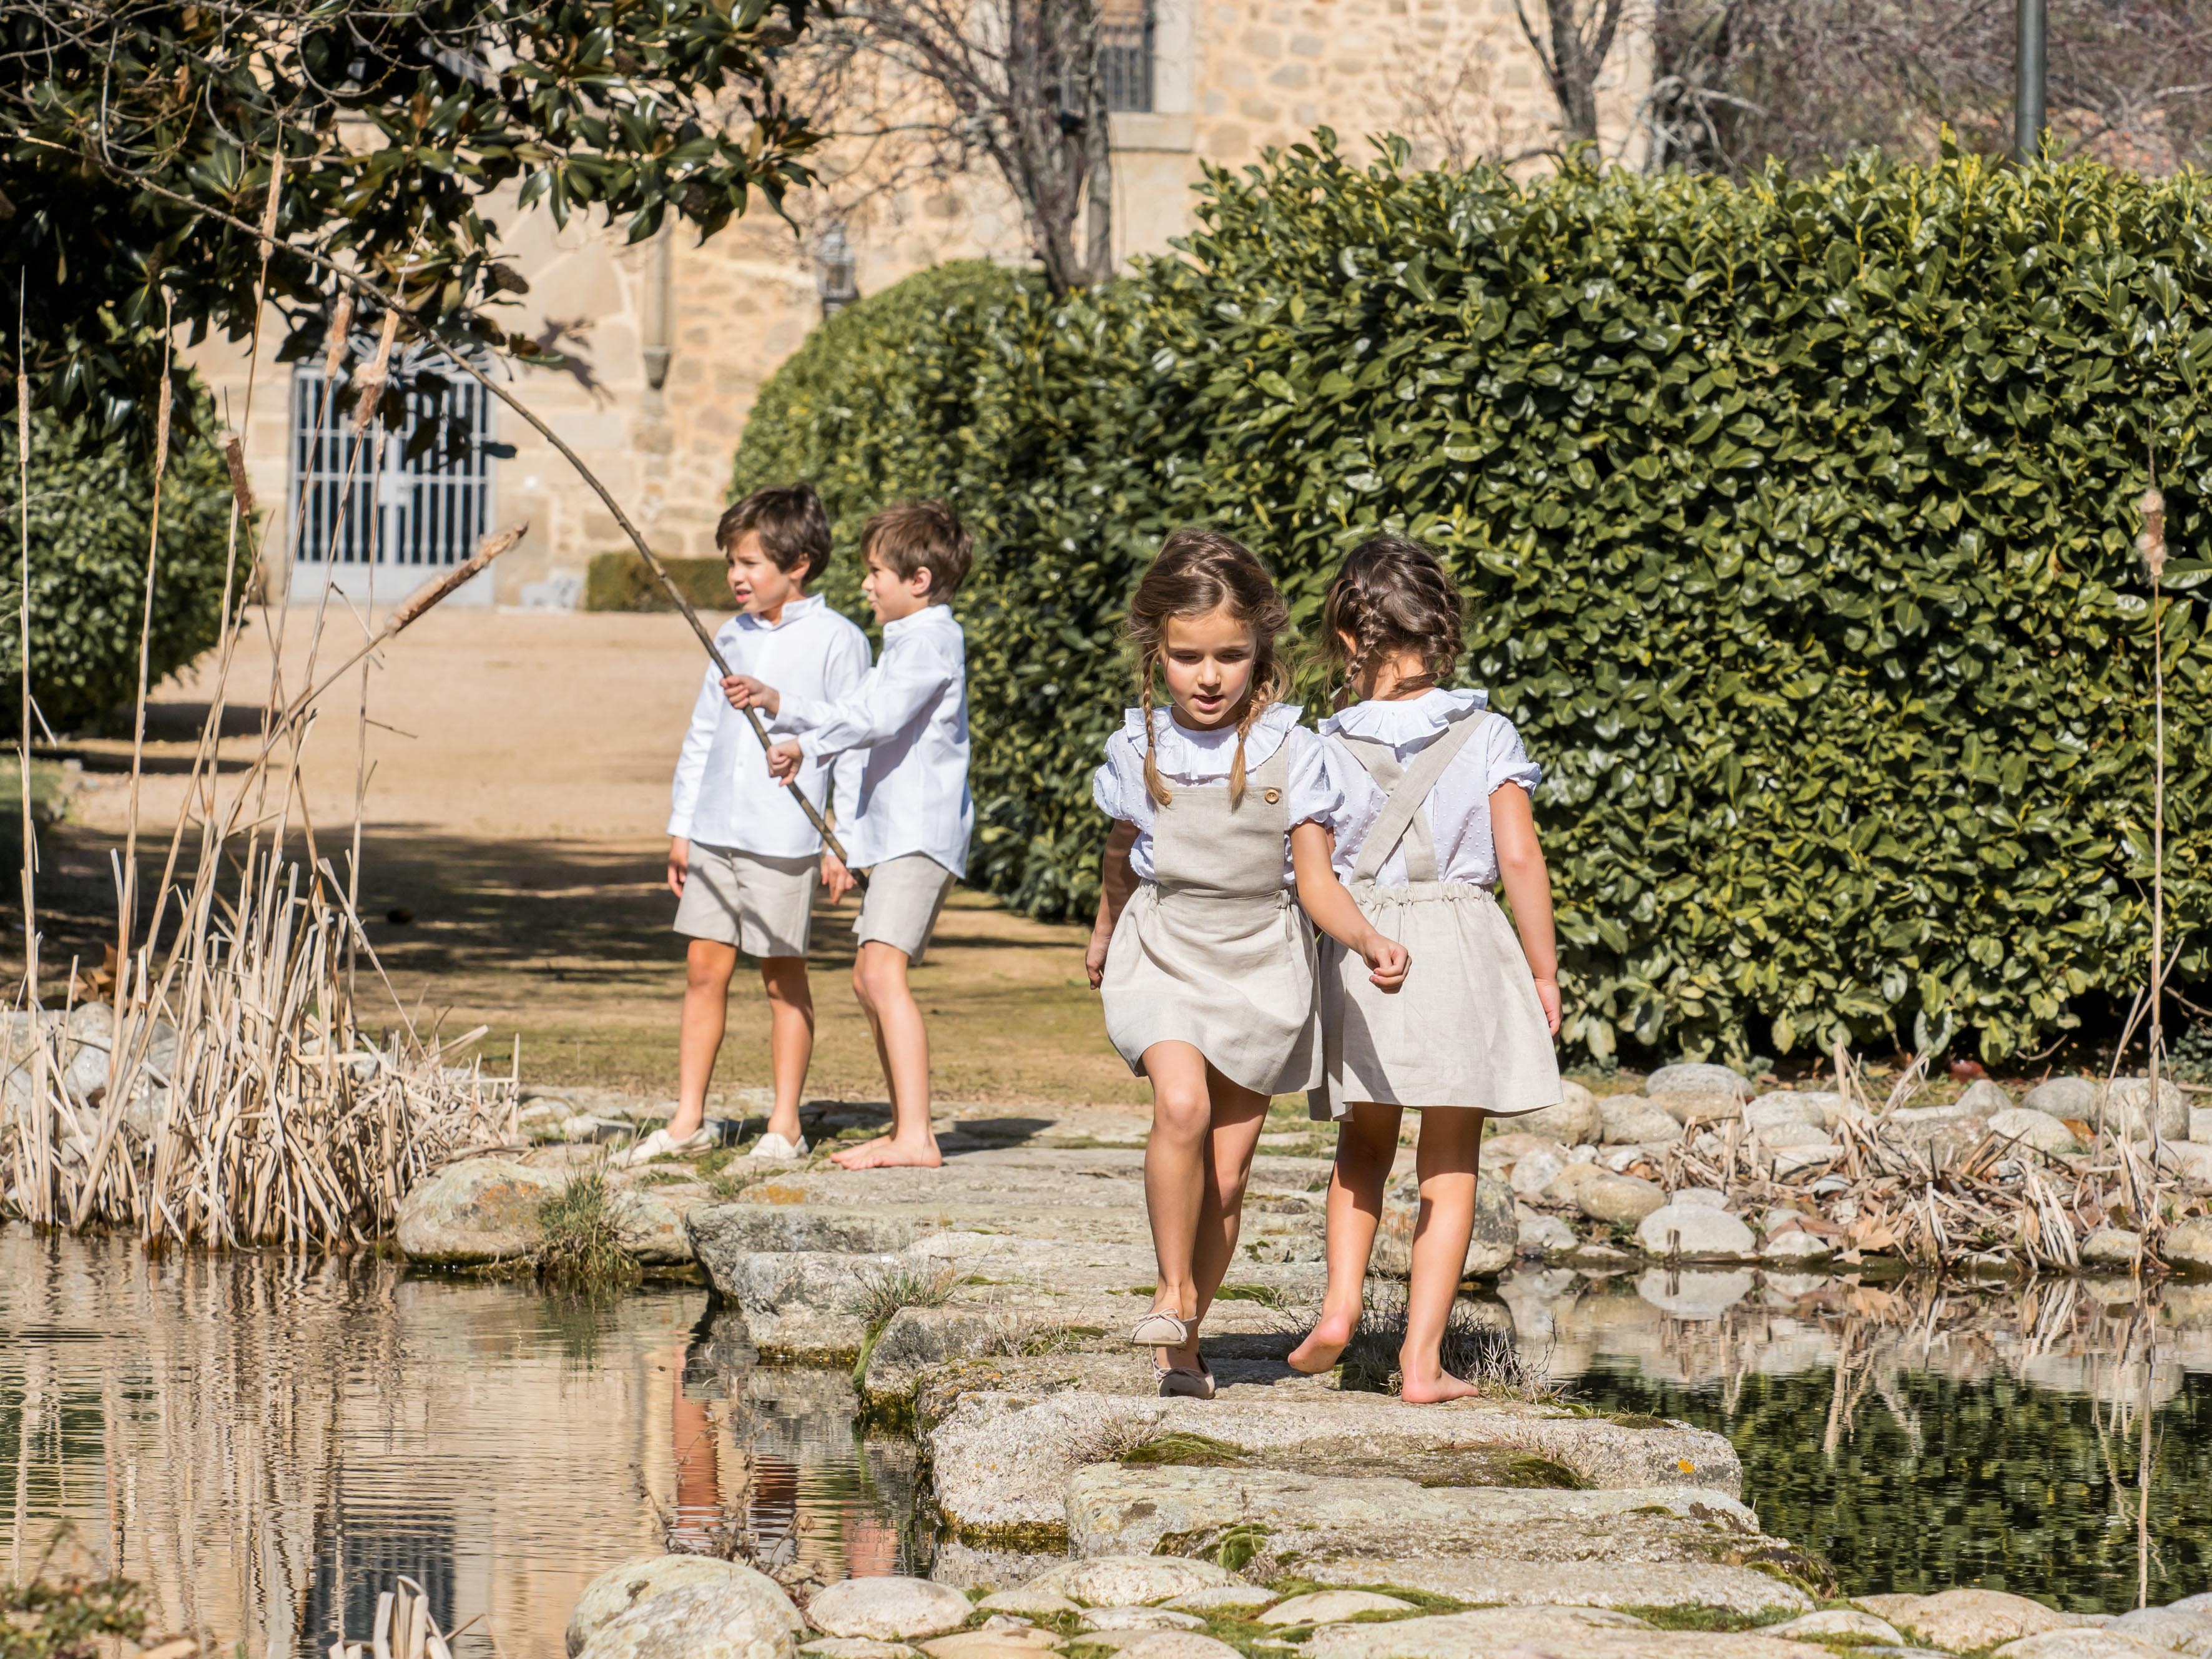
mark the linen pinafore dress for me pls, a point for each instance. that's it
(1465, 1028)
(1212, 952)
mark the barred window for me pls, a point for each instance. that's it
(365, 504)
(1125, 54)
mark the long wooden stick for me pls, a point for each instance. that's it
(362, 285)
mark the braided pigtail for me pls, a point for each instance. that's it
(1393, 595)
(1155, 786)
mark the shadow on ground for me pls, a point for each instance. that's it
(568, 947)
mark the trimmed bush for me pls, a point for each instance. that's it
(91, 517)
(620, 581)
(1795, 517)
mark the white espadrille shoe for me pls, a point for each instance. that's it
(775, 1146)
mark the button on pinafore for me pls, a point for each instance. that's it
(1212, 952)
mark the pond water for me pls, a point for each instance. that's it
(266, 1442)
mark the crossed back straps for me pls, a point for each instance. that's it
(1405, 787)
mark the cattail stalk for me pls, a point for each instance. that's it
(23, 650)
(2153, 543)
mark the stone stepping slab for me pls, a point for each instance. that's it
(798, 1275)
(1520, 1632)
(1277, 1519)
(1744, 1591)
(1002, 1463)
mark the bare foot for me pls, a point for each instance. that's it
(889, 1152)
(1324, 1344)
(1435, 1389)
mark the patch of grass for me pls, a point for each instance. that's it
(1187, 1451)
(884, 1296)
(1064, 1340)
(1266, 1295)
(1526, 1469)
(579, 1244)
(1700, 1618)
(67, 1618)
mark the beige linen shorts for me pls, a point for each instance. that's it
(904, 895)
(761, 904)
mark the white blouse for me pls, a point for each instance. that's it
(1457, 809)
(1197, 758)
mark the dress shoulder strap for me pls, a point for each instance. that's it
(1408, 791)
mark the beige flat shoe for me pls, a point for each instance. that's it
(773, 1146)
(1159, 1329)
(1180, 1383)
(661, 1143)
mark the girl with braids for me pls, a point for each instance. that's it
(1222, 802)
(1436, 814)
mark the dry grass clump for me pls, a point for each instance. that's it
(883, 1294)
(1474, 1350)
(579, 1244)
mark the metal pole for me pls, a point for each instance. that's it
(2028, 75)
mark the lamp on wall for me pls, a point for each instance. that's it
(834, 276)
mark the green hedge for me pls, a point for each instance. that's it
(91, 512)
(1796, 518)
(620, 581)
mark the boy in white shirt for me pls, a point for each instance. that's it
(742, 856)
(907, 723)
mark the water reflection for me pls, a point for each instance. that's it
(266, 1442)
(2054, 1438)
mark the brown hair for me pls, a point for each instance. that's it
(921, 535)
(1197, 572)
(1392, 594)
(790, 522)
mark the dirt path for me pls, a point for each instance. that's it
(513, 853)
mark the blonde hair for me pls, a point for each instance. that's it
(1198, 572)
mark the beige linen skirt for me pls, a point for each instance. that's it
(1465, 1028)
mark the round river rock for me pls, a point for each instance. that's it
(887, 1609)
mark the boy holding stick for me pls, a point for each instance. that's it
(742, 854)
(907, 725)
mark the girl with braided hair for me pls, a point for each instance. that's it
(1435, 816)
(1222, 803)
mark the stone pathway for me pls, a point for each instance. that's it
(1079, 1513)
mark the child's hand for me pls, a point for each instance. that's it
(1094, 957)
(837, 879)
(679, 864)
(783, 762)
(1387, 961)
(744, 691)
(1547, 993)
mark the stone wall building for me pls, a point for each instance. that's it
(669, 341)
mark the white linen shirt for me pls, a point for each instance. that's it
(723, 795)
(1200, 758)
(907, 723)
(1457, 809)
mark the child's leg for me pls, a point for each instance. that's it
(1175, 1182)
(902, 1046)
(790, 1038)
(1232, 1137)
(707, 966)
(1450, 1148)
(1366, 1145)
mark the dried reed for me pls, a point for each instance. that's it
(404, 1629)
(1994, 1203)
(232, 1093)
